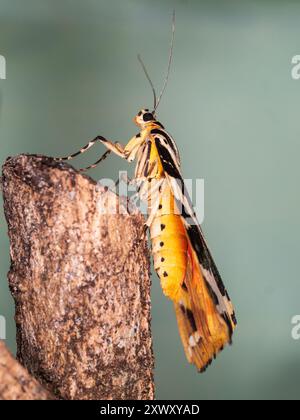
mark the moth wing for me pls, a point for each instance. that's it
(202, 254)
(205, 315)
(195, 354)
(203, 331)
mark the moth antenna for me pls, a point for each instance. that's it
(148, 78)
(169, 62)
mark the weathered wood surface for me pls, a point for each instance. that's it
(81, 283)
(15, 381)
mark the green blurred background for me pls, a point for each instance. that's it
(233, 108)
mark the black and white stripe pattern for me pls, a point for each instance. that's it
(83, 149)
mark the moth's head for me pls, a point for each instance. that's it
(144, 117)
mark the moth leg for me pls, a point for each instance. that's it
(149, 188)
(144, 194)
(143, 191)
(83, 149)
(151, 216)
(103, 157)
(158, 186)
(115, 148)
(127, 152)
(125, 179)
(137, 182)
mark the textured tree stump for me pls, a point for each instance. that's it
(80, 280)
(15, 381)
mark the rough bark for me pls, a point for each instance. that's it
(15, 381)
(80, 280)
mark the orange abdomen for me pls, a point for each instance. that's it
(169, 247)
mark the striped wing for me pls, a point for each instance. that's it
(205, 314)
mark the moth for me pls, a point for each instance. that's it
(182, 260)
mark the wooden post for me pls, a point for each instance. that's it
(81, 283)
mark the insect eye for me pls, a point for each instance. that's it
(148, 116)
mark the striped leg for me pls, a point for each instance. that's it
(83, 150)
(116, 148)
(103, 157)
(160, 185)
(129, 181)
